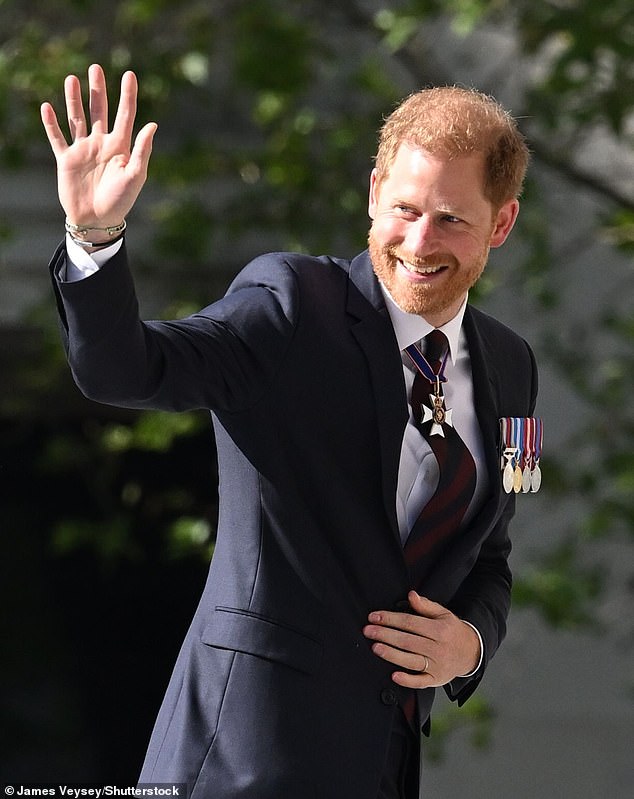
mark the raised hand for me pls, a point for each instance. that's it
(100, 174)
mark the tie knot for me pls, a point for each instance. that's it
(435, 345)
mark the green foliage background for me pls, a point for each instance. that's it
(268, 113)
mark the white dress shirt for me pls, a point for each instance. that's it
(81, 264)
(418, 473)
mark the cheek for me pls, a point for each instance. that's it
(386, 230)
(464, 249)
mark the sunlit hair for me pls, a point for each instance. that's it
(451, 121)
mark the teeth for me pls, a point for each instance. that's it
(422, 270)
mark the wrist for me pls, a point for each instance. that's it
(94, 238)
(477, 662)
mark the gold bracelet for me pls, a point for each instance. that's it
(81, 230)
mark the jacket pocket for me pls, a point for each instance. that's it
(243, 631)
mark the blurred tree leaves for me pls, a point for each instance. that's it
(587, 74)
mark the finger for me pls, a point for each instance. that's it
(126, 110)
(409, 622)
(420, 680)
(74, 108)
(52, 129)
(413, 643)
(142, 150)
(98, 99)
(426, 607)
(412, 661)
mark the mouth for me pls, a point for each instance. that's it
(423, 271)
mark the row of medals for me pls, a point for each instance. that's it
(514, 478)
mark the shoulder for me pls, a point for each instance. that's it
(496, 335)
(290, 275)
(281, 265)
(505, 354)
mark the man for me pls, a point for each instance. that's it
(335, 603)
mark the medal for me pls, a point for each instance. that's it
(507, 472)
(510, 454)
(518, 433)
(436, 413)
(528, 456)
(538, 438)
(521, 439)
(526, 480)
(517, 480)
(536, 479)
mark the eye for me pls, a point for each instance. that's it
(450, 218)
(406, 210)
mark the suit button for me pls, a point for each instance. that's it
(389, 697)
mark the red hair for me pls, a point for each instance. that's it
(452, 121)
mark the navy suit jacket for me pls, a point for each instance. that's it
(276, 693)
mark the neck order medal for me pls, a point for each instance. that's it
(437, 414)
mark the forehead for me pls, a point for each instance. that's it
(416, 170)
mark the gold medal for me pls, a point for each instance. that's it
(517, 479)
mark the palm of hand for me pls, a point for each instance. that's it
(95, 182)
(99, 175)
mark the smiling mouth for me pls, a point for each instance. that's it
(422, 270)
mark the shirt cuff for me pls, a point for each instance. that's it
(81, 264)
(477, 632)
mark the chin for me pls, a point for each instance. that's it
(416, 305)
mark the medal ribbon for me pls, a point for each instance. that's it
(539, 439)
(424, 367)
(506, 435)
(530, 439)
(519, 440)
(524, 438)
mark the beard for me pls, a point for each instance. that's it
(426, 298)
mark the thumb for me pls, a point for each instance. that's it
(425, 607)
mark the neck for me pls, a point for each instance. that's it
(441, 317)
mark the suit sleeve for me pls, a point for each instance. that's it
(484, 597)
(223, 357)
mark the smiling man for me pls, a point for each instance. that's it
(361, 556)
(436, 201)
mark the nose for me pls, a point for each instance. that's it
(422, 236)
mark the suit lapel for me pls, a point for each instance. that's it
(485, 396)
(485, 393)
(372, 328)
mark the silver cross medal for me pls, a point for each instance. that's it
(437, 414)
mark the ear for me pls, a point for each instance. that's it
(503, 222)
(373, 197)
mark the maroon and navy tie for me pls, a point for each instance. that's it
(441, 517)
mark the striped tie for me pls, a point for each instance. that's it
(442, 515)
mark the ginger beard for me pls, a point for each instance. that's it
(431, 297)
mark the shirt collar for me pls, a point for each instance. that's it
(411, 328)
